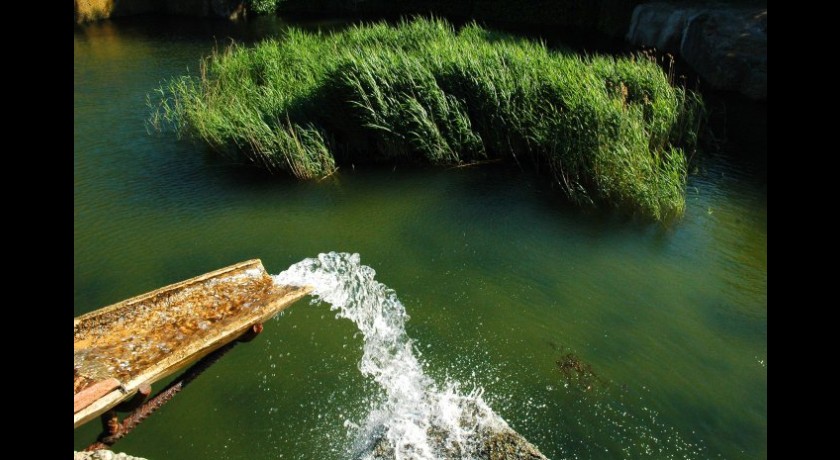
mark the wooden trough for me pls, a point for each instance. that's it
(138, 341)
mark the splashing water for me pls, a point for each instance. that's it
(417, 419)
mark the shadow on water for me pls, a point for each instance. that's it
(174, 28)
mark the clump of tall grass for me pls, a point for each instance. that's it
(605, 129)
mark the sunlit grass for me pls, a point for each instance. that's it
(606, 130)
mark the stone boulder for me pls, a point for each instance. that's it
(726, 45)
(103, 455)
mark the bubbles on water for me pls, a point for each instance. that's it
(604, 419)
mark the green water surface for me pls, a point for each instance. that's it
(502, 280)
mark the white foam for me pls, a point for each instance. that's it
(417, 418)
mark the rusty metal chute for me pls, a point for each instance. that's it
(120, 348)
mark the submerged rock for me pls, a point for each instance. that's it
(509, 444)
(501, 445)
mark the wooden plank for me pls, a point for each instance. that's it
(148, 337)
(93, 393)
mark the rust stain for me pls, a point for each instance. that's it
(122, 343)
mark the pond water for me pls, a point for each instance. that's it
(593, 335)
